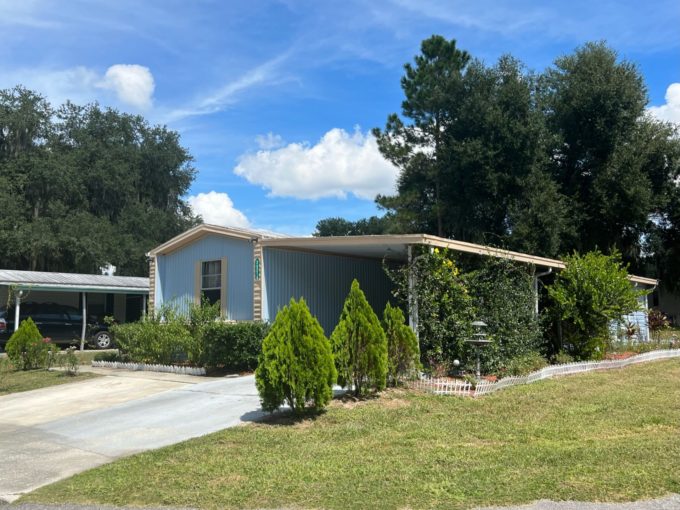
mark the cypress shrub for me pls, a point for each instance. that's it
(359, 345)
(26, 348)
(296, 363)
(403, 353)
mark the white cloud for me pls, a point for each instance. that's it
(269, 141)
(132, 83)
(340, 163)
(267, 73)
(217, 209)
(671, 110)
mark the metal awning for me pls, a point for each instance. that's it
(73, 282)
(395, 247)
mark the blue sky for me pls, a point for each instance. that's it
(275, 99)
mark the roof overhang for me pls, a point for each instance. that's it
(94, 289)
(395, 247)
(195, 233)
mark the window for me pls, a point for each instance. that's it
(211, 280)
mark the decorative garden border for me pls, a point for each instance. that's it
(444, 386)
(172, 369)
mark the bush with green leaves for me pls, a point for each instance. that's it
(590, 293)
(161, 338)
(69, 361)
(403, 353)
(504, 298)
(359, 345)
(524, 364)
(201, 316)
(445, 308)
(561, 358)
(27, 349)
(232, 346)
(296, 363)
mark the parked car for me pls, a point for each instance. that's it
(63, 324)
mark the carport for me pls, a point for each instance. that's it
(123, 297)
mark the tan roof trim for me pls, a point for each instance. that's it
(195, 233)
(303, 242)
(428, 240)
(315, 242)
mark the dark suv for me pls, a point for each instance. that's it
(63, 324)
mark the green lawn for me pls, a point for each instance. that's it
(13, 382)
(607, 436)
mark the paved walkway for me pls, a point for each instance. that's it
(671, 502)
(52, 433)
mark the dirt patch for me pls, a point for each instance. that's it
(392, 398)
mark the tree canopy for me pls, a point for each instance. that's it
(83, 186)
(546, 163)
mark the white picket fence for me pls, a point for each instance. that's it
(445, 386)
(173, 369)
(442, 386)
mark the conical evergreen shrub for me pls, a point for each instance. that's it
(359, 345)
(403, 353)
(26, 348)
(296, 364)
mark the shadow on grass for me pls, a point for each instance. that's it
(286, 417)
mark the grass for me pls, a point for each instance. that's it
(16, 381)
(606, 436)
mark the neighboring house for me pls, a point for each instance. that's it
(254, 273)
(121, 297)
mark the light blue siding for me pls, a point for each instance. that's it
(175, 274)
(323, 280)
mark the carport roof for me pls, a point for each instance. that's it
(396, 247)
(74, 282)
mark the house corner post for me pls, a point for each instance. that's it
(412, 299)
(83, 331)
(148, 308)
(17, 308)
(257, 280)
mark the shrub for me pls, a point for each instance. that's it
(69, 361)
(657, 322)
(296, 363)
(26, 348)
(525, 364)
(588, 294)
(504, 298)
(359, 345)
(445, 309)
(108, 356)
(152, 340)
(562, 358)
(232, 346)
(200, 317)
(402, 345)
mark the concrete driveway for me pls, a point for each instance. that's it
(53, 433)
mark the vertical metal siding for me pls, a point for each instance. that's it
(175, 274)
(323, 281)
